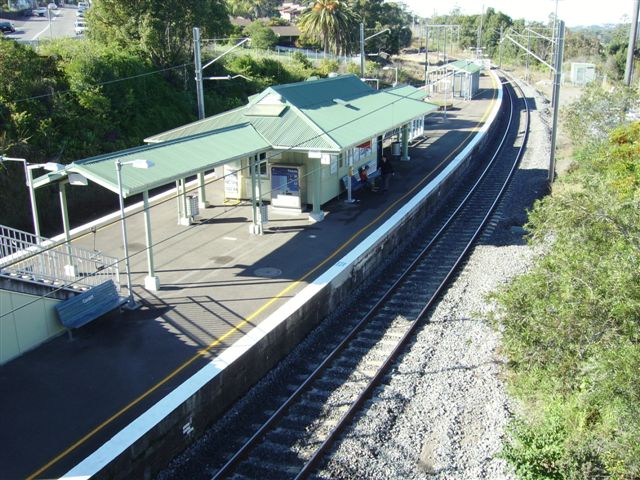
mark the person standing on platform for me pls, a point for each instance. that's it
(386, 170)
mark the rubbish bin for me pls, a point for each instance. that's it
(193, 209)
(396, 148)
(263, 214)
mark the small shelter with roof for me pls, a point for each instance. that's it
(466, 78)
(459, 79)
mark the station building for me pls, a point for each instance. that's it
(318, 131)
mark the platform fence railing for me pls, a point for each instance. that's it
(26, 257)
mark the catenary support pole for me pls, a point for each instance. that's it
(633, 36)
(556, 98)
(197, 58)
(362, 50)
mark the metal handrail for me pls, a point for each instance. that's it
(36, 259)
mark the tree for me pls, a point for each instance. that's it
(261, 35)
(162, 30)
(333, 23)
(252, 9)
(378, 15)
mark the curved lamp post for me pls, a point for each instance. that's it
(28, 168)
(396, 70)
(131, 303)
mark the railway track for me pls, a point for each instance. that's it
(296, 436)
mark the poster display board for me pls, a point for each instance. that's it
(286, 187)
(231, 182)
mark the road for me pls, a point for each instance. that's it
(34, 28)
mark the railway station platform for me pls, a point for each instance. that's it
(72, 406)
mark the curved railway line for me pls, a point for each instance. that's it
(297, 434)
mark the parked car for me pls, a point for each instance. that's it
(80, 14)
(83, 5)
(80, 27)
(7, 27)
(52, 6)
(40, 11)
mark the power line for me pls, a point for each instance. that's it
(108, 82)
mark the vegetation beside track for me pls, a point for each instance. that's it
(571, 324)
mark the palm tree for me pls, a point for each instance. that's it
(333, 23)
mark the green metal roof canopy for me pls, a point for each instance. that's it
(355, 119)
(465, 66)
(305, 115)
(172, 160)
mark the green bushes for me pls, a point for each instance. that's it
(571, 324)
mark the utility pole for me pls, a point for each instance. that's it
(500, 47)
(198, 65)
(426, 57)
(557, 69)
(556, 99)
(480, 33)
(361, 49)
(444, 50)
(633, 36)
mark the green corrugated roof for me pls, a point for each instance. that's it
(365, 116)
(222, 120)
(314, 120)
(407, 91)
(317, 92)
(292, 130)
(172, 160)
(466, 66)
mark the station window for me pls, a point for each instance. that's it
(262, 170)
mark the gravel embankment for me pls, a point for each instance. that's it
(443, 412)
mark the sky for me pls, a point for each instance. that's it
(573, 12)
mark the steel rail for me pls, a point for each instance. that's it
(234, 461)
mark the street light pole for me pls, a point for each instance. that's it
(396, 70)
(362, 40)
(131, 303)
(28, 168)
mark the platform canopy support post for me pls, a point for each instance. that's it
(405, 143)
(317, 215)
(256, 226)
(151, 281)
(70, 269)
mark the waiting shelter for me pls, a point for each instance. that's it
(290, 145)
(458, 79)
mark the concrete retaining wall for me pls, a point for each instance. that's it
(144, 447)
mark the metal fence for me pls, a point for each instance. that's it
(284, 54)
(34, 259)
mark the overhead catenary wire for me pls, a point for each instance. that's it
(106, 82)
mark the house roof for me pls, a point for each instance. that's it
(286, 30)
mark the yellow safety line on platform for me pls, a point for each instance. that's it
(236, 328)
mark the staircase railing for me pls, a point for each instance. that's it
(34, 259)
